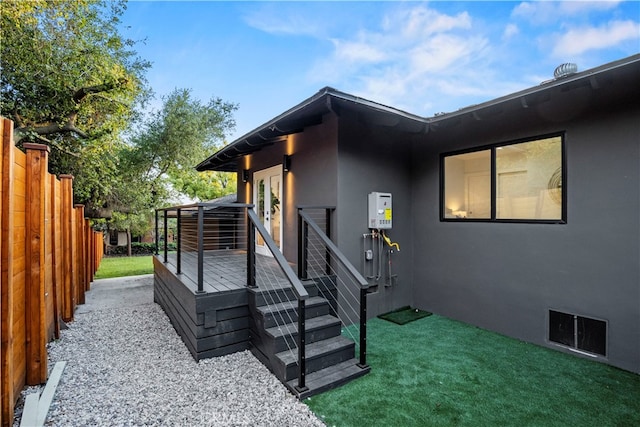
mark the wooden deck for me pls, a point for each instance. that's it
(224, 270)
(214, 322)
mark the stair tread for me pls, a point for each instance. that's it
(316, 349)
(311, 324)
(286, 305)
(328, 378)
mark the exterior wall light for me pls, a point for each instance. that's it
(245, 175)
(286, 163)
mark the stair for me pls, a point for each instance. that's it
(330, 357)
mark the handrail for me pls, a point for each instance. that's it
(299, 290)
(355, 274)
(207, 205)
(343, 259)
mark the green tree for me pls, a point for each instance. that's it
(157, 164)
(203, 186)
(69, 80)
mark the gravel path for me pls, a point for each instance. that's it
(127, 366)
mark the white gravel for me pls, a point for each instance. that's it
(128, 367)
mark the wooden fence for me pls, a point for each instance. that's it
(48, 256)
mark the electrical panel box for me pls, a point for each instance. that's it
(380, 216)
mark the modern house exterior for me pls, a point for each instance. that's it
(520, 215)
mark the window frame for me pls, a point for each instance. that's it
(492, 148)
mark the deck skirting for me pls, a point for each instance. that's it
(210, 324)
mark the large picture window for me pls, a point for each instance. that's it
(521, 181)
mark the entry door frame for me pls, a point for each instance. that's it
(271, 216)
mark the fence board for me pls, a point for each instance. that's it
(35, 321)
(56, 240)
(79, 257)
(49, 273)
(66, 214)
(6, 227)
(17, 284)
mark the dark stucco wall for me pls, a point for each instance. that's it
(312, 179)
(375, 158)
(506, 276)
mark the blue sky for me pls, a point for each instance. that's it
(421, 57)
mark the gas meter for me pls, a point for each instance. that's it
(380, 211)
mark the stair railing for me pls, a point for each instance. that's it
(319, 257)
(301, 294)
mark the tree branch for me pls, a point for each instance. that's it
(51, 128)
(104, 87)
(55, 145)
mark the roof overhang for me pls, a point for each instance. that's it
(310, 113)
(624, 75)
(612, 81)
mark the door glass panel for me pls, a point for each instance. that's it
(261, 206)
(274, 182)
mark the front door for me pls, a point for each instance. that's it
(267, 196)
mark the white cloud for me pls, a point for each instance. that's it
(423, 22)
(547, 12)
(510, 30)
(440, 53)
(414, 51)
(292, 22)
(358, 51)
(579, 40)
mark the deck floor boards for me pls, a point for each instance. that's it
(225, 270)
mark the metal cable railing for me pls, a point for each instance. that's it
(219, 240)
(335, 277)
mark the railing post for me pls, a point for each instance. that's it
(166, 221)
(300, 251)
(251, 253)
(363, 328)
(157, 235)
(301, 387)
(178, 246)
(327, 253)
(305, 250)
(200, 249)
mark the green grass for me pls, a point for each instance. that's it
(124, 266)
(439, 372)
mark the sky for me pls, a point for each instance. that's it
(421, 57)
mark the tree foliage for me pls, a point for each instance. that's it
(163, 152)
(157, 163)
(69, 80)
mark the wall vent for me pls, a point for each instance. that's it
(578, 332)
(565, 70)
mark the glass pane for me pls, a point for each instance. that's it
(467, 185)
(529, 180)
(260, 206)
(561, 328)
(275, 208)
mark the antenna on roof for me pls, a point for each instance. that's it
(565, 70)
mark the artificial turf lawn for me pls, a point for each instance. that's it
(439, 372)
(124, 266)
